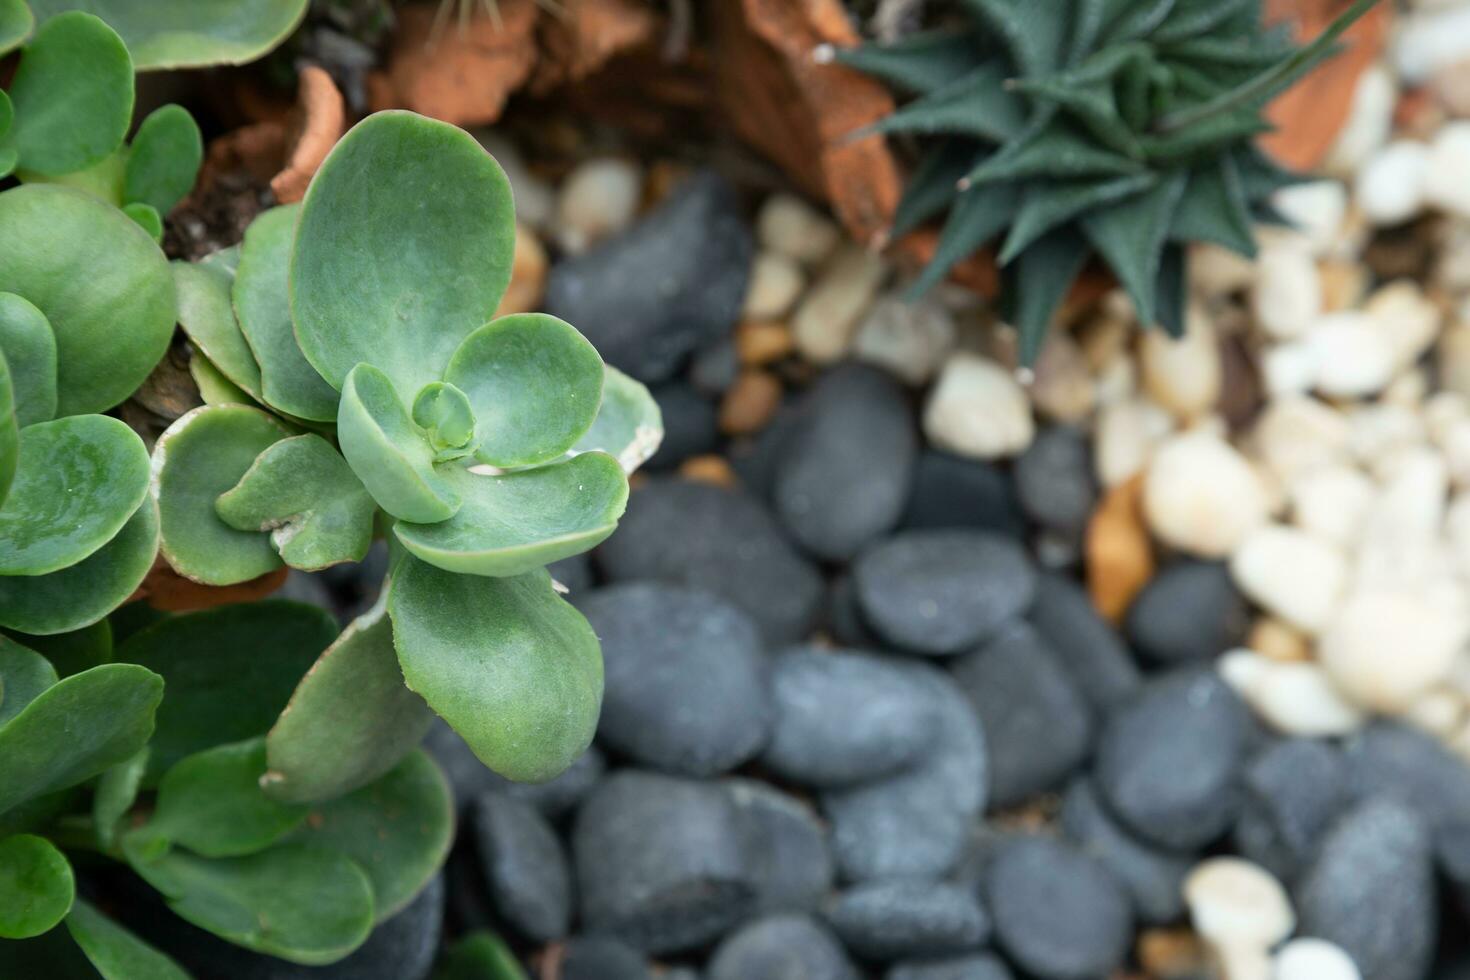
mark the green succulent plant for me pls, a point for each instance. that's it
(1120, 128)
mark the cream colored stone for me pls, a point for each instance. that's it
(1332, 503)
(909, 339)
(1127, 432)
(1299, 699)
(1233, 902)
(792, 227)
(598, 199)
(1296, 435)
(829, 313)
(1183, 375)
(977, 409)
(1287, 298)
(776, 282)
(1389, 188)
(1355, 357)
(1381, 428)
(1440, 711)
(1314, 959)
(1408, 319)
(1201, 496)
(1217, 271)
(1384, 650)
(1369, 122)
(1316, 208)
(1291, 574)
(1061, 386)
(1290, 368)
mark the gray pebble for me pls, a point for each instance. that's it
(1152, 876)
(1189, 611)
(951, 491)
(602, 958)
(1293, 790)
(1054, 480)
(781, 947)
(469, 777)
(889, 920)
(1392, 759)
(525, 867)
(971, 966)
(790, 862)
(1084, 642)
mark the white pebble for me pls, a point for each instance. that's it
(828, 314)
(1292, 574)
(1406, 317)
(1233, 902)
(978, 409)
(1127, 432)
(1184, 375)
(1332, 503)
(1390, 186)
(1314, 959)
(1385, 649)
(1381, 428)
(1369, 122)
(1294, 698)
(1290, 368)
(792, 227)
(1454, 359)
(1355, 357)
(1296, 435)
(598, 199)
(1288, 292)
(1447, 177)
(910, 339)
(776, 282)
(1316, 208)
(1427, 41)
(1201, 496)
(1062, 387)
(1215, 270)
(1440, 712)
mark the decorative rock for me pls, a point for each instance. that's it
(977, 409)
(598, 199)
(789, 226)
(943, 591)
(1294, 698)
(1387, 759)
(844, 620)
(1168, 761)
(573, 573)
(1084, 644)
(975, 966)
(690, 425)
(1153, 877)
(1384, 650)
(1316, 208)
(775, 283)
(845, 718)
(783, 947)
(1314, 959)
(1292, 791)
(916, 823)
(827, 315)
(1369, 122)
(1062, 388)
(660, 861)
(1379, 849)
(1355, 357)
(721, 541)
(908, 339)
(602, 958)
(1408, 319)
(1190, 611)
(1288, 291)
(525, 867)
(1120, 560)
(1127, 432)
(787, 845)
(468, 776)
(842, 474)
(1275, 640)
(1038, 727)
(1058, 914)
(715, 367)
(1444, 178)
(1233, 902)
(1184, 375)
(749, 404)
(759, 343)
(1332, 503)
(950, 491)
(1054, 480)
(1291, 574)
(1390, 187)
(889, 920)
(686, 686)
(1297, 435)
(664, 288)
(1201, 496)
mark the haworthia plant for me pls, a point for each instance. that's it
(1116, 128)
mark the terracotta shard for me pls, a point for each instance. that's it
(585, 34)
(317, 123)
(167, 590)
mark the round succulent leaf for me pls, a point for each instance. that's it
(230, 671)
(191, 33)
(304, 493)
(389, 454)
(115, 952)
(75, 729)
(202, 455)
(304, 904)
(29, 347)
(207, 314)
(16, 22)
(350, 720)
(73, 95)
(287, 380)
(24, 674)
(513, 668)
(629, 426)
(80, 595)
(163, 159)
(117, 790)
(36, 886)
(511, 523)
(445, 415)
(211, 802)
(102, 180)
(398, 828)
(146, 216)
(214, 387)
(74, 651)
(77, 482)
(101, 282)
(404, 247)
(9, 432)
(480, 956)
(534, 383)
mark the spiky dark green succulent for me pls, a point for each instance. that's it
(1067, 128)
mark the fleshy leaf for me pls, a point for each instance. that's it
(74, 651)
(1047, 204)
(303, 904)
(287, 381)
(117, 790)
(75, 729)
(1130, 237)
(9, 432)
(214, 387)
(431, 224)
(350, 720)
(1055, 150)
(36, 886)
(16, 23)
(509, 664)
(24, 674)
(73, 96)
(116, 953)
(398, 829)
(211, 802)
(202, 455)
(387, 451)
(1171, 290)
(208, 317)
(164, 159)
(977, 105)
(191, 33)
(304, 493)
(80, 595)
(629, 426)
(29, 348)
(448, 421)
(977, 216)
(917, 63)
(480, 956)
(1041, 277)
(931, 188)
(114, 322)
(77, 482)
(509, 523)
(1033, 29)
(534, 383)
(1213, 208)
(230, 670)
(147, 218)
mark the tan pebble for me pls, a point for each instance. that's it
(1172, 954)
(527, 275)
(750, 403)
(712, 469)
(1278, 640)
(759, 343)
(776, 282)
(1343, 284)
(1183, 375)
(1120, 561)
(1061, 387)
(828, 314)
